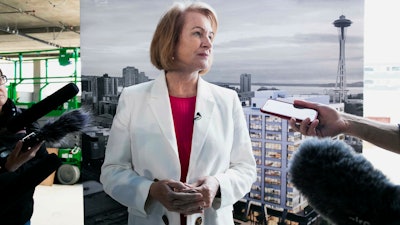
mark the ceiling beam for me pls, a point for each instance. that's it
(17, 32)
(36, 30)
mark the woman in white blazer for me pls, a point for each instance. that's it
(179, 151)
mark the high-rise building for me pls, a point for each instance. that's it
(107, 94)
(245, 82)
(106, 87)
(245, 93)
(132, 76)
(273, 143)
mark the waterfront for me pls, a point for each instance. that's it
(304, 90)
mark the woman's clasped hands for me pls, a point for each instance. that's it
(185, 198)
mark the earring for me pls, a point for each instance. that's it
(173, 58)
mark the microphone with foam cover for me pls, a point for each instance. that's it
(342, 185)
(42, 108)
(54, 131)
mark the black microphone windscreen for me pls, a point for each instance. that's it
(42, 108)
(54, 131)
(73, 121)
(342, 185)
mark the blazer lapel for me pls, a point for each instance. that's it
(161, 107)
(205, 104)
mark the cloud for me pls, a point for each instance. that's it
(284, 40)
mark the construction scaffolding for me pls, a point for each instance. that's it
(39, 82)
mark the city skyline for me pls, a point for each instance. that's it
(275, 41)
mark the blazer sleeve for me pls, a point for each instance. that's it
(118, 175)
(236, 182)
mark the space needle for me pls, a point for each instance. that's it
(341, 87)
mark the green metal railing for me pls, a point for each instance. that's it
(63, 56)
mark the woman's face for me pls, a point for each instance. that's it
(194, 48)
(3, 95)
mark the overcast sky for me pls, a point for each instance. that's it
(274, 40)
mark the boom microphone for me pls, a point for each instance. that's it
(54, 131)
(342, 185)
(42, 108)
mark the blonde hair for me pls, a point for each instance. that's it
(169, 28)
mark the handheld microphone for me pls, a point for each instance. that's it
(54, 131)
(342, 185)
(42, 108)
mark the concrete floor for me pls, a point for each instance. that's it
(58, 204)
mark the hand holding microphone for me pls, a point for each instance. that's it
(18, 184)
(17, 157)
(342, 185)
(69, 122)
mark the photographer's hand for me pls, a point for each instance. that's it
(17, 158)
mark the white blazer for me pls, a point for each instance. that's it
(142, 147)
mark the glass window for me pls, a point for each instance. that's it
(273, 119)
(275, 155)
(273, 163)
(255, 117)
(275, 137)
(273, 146)
(273, 127)
(255, 134)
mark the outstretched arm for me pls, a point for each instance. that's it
(383, 135)
(331, 122)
